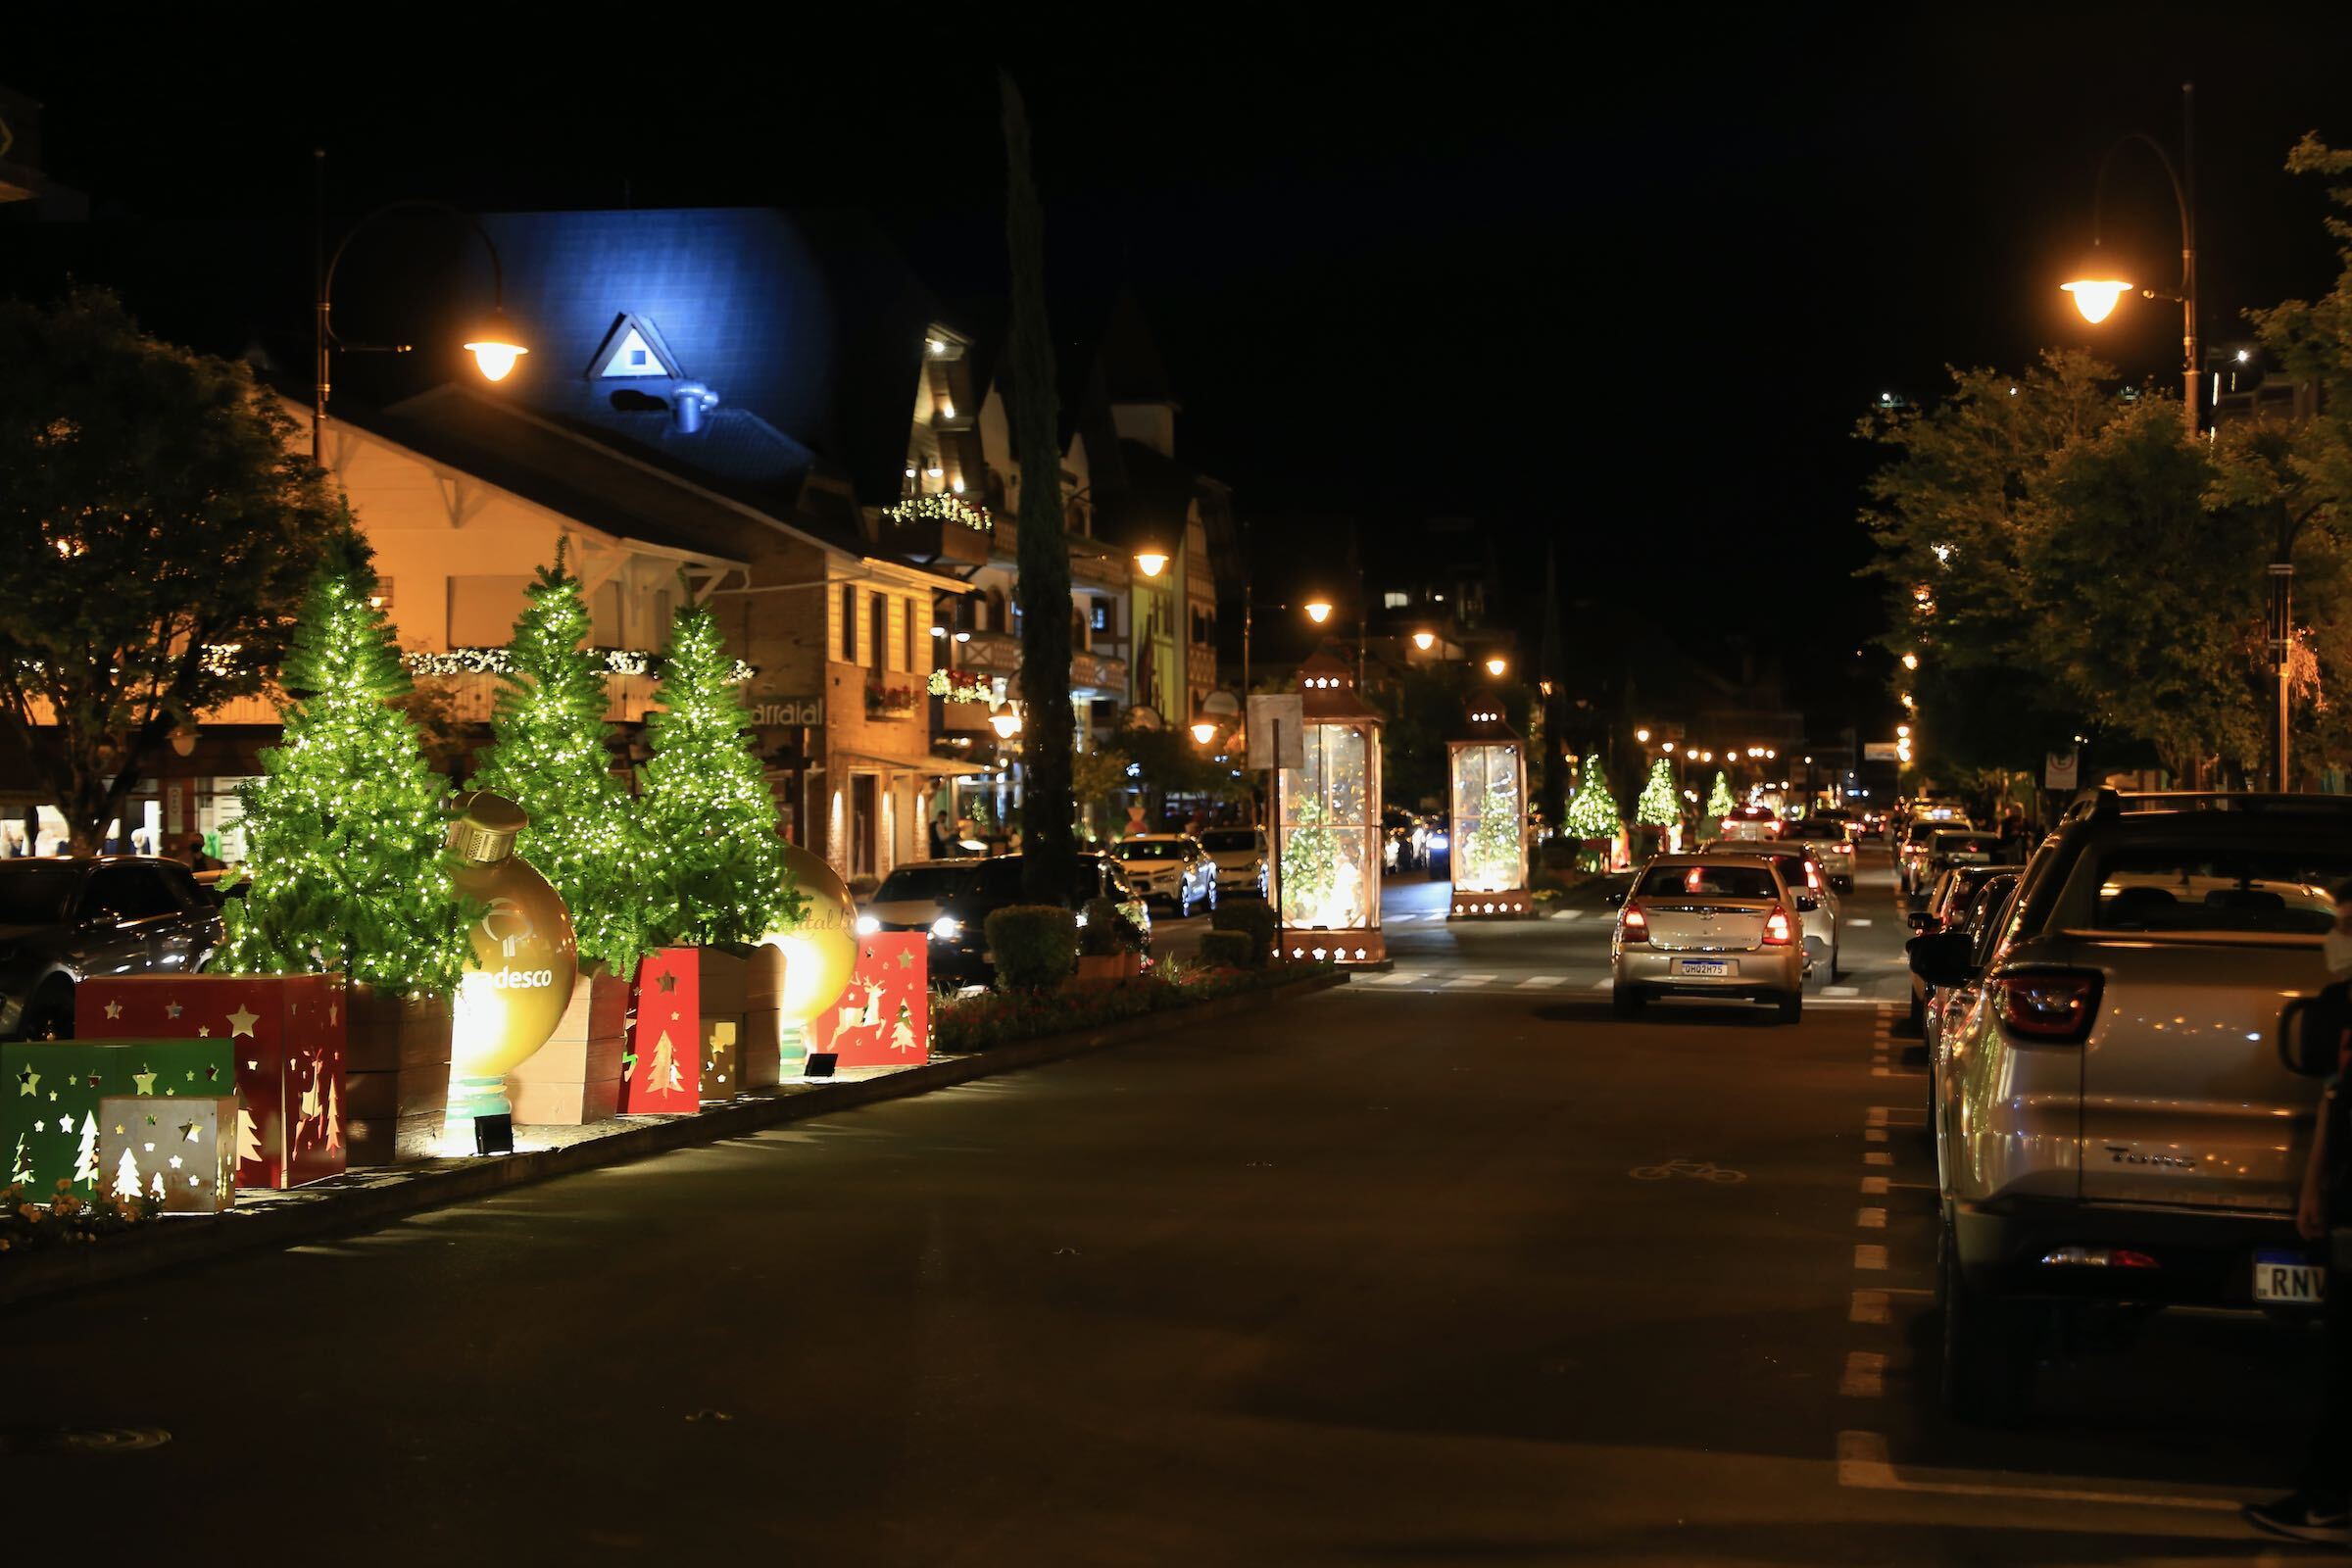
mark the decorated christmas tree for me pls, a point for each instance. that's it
(345, 828)
(1719, 799)
(1592, 810)
(715, 867)
(1657, 807)
(550, 754)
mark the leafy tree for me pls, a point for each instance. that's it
(163, 530)
(1049, 854)
(347, 827)
(714, 870)
(1098, 777)
(551, 754)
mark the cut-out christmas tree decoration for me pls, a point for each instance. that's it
(181, 1150)
(126, 1176)
(884, 1017)
(85, 1157)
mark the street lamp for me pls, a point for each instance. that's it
(1203, 731)
(1498, 665)
(494, 343)
(1318, 610)
(1151, 563)
(2097, 287)
(1005, 721)
(1424, 640)
(1640, 735)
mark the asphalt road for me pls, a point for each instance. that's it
(1452, 1267)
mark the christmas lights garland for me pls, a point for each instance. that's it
(940, 506)
(499, 662)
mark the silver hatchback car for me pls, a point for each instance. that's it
(1709, 926)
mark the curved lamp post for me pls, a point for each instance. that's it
(493, 341)
(2100, 283)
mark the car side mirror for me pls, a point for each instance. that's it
(1941, 957)
(1807, 901)
(1616, 900)
(1922, 921)
(2310, 1036)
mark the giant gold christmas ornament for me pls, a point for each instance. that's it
(508, 1006)
(823, 946)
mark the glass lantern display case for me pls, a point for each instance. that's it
(1486, 768)
(1327, 839)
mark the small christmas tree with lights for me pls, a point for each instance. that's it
(1719, 799)
(549, 753)
(1657, 807)
(715, 872)
(346, 829)
(1593, 812)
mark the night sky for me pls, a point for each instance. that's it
(1624, 283)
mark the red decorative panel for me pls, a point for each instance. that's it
(884, 1018)
(663, 1072)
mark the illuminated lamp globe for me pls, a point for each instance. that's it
(495, 347)
(1318, 610)
(1424, 640)
(2095, 295)
(1006, 723)
(1204, 731)
(1151, 563)
(821, 947)
(1498, 665)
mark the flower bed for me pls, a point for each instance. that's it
(963, 1024)
(26, 1226)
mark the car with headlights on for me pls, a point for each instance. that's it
(1832, 842)
(2122, 1118)
(1241, 856)
(1708, 925)
(65, 920)
(951, 900)
(1819, 909)
(1169, 866)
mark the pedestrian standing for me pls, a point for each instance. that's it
(2320, 1508)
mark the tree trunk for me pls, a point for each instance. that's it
(1048, 855)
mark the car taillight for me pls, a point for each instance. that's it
(1777, 929)
(2054, 1004)
(1635, 925)
(1812, 877)
(1847, 848)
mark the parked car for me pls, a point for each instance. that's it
(1928, 855)
(1948, 905)
(1832, 842)
(951, 900)
(1709, 926)
(2116, 1129)
(1170, 866)
(1819, 910)
(1942, 1013)
(64, 921)
(1241, 856)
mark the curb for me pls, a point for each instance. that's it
(361, 1206)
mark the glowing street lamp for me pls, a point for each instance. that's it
(1151, 563)
(1005, 721)
(1424, 640)
(1643, 736)
(1498, 665)
(1204, 731)
(2095, 297)
(495, 347)
(1318, 610)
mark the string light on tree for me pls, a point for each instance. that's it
(1657, 807)
(1719, 799)
(1593, 812)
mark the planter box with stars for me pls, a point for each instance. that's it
(181, 1152)
(288, 1032)
(661, 1073)
(51, 1090)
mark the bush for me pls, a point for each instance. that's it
(1257, 921)
(1036, 946)
(1560, 855)
(1232, 950)
(1102, 936)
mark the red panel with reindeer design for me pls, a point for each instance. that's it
(883, 1019)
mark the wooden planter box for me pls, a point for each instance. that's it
(724, 992)
(575, 1077)
(763, 1026)
(396, 1074)
(1109, 969)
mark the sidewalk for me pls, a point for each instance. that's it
(376, 1195)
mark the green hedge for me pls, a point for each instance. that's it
(1035, 945)
(1254, 920)
(1234, 950)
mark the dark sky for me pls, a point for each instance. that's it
(1625, 280)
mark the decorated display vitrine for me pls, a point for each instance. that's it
(1486, 766)
(1327, 839)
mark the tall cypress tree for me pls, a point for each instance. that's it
(550, 754)
(1048, 852)
(715, 867)
(347, 826)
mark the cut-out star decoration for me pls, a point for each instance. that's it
(906, 958)
(252, 1066)
(40, 1126)
(29, 1082)
(145, 1082)
(203, 1032)
(118, 1129)
(171, 1009)
(114, 1010)
(189, 1133)
(191, 1075)
(176, 1162)
(150, 1148)
(241, 1021)
(667, 982)
(53, 1097)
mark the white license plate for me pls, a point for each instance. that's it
(1705, 966)
(2289, 1279)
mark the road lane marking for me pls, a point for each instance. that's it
(1534, 982)
(1877, 1156)
(1865, 1375)
(1874, 1134)
(1840, 990)
(1604, 985)
(1870, 1256)
(1870, 1307)
(1871, 1219)
(1402, 977)
(1859, 919)
(1862, 1464)
(1874, 1186)
(1473, 980)
(1569, 915)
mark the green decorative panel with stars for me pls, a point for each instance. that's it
(50, 1090)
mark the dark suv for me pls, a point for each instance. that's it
(62, 920)
(953, 898)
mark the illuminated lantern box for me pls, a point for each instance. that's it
(288, 1034)
(883, 1018)
(575, 1077)
(50, 1092)
(1486, 764)
(179, 1150)
(661, 1070)
(1327, 839)
(722, 984)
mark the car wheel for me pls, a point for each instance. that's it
(1792, 1005)
(1986, 1347)
(1627, 1000)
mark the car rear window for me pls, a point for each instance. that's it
(2260, 889)
(36, 895)
(1242, 838)
(1709, 882)
(1813, 830)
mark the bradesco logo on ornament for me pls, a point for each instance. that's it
(520, 979)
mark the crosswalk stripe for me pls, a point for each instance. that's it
(1840, 990)
(1534, 982)
(1609, 984)
(1473, 980)
(1400, 977)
